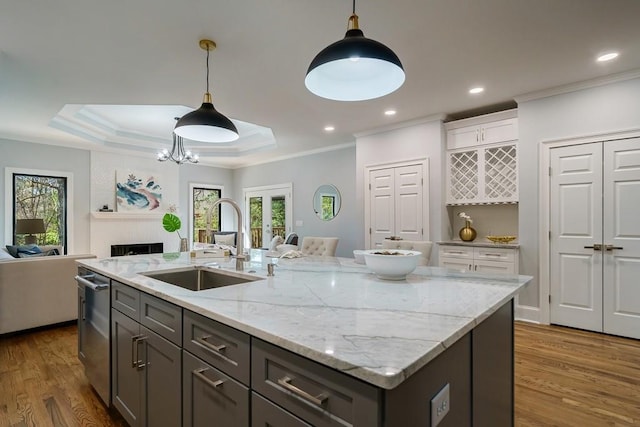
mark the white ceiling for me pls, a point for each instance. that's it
(145, 52)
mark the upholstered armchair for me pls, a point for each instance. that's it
(422, 246)
(323, 246)
(290, 244)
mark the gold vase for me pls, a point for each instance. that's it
(467, 233)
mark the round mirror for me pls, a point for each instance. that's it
(326, 202)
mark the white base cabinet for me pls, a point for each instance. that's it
(481, 259)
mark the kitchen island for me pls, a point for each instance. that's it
(393, 345)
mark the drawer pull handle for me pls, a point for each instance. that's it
(611, 247)
(493, 255)
(455, 252)
(317, 400)
(136, 362)
(213, 384)
(212, 347)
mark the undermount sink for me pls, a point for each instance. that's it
(200, 278)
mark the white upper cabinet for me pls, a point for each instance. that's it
(482, 164)
(487, 133)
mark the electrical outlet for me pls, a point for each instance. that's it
(440, 405)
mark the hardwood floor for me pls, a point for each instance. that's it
(564, 377)
(42, 383)
(568, 377)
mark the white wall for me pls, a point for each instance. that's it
(147, 229)
(116, 229)
(412, 142)
(599, 110)
(307, 173)
(20, 154)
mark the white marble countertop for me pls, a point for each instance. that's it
(333, 310)
(480, 244)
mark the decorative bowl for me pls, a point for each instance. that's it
(501, 239)
(358, 254)
(391, 264)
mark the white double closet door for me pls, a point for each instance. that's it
(396, 203)
(595, 237)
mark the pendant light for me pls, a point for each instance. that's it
(178, 154)
(355, 68)
(206, 124)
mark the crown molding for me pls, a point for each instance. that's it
(395, 126)
(574, 87)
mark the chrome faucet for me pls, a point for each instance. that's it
(240, 257)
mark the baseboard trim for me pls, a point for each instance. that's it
(39, 328)
(527, 313)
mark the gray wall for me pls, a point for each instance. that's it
(604, 109)
(19, 154)
(307, 173)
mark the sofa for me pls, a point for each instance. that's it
(38, 291)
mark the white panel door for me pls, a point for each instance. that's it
(622, 237)
(396, 203)
(382, 205)
(576, 226)
(595, 244)
(409, 199)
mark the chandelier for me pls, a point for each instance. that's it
(177, 154)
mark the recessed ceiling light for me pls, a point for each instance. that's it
(476, 90)
(329, 128)
(608, 56)
(390, 113)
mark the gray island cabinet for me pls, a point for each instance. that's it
(323, 343)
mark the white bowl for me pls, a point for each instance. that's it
(358, 254)
(391, 264)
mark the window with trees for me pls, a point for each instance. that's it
(40, 209)
(205, 219)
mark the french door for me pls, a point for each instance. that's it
(269, 213)
(595, 237)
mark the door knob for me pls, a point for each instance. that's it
(595, 247)
(611, 247)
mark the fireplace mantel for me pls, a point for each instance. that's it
(127, 215)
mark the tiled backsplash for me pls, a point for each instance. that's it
(487, 220)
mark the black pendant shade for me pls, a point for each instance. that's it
(206, 124)
(355, 68)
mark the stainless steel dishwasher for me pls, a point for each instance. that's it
(93, 330)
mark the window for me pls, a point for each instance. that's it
(204, 220)
(39, 209)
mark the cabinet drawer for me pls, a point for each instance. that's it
(162, 317)
(211, 397)
(494, 254)
(319, 395)
(494, 267)
(456, 264)
(266, 414)
(125, 299)
(456, 252)
(219, 345)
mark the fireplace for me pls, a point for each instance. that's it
(136, 249)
